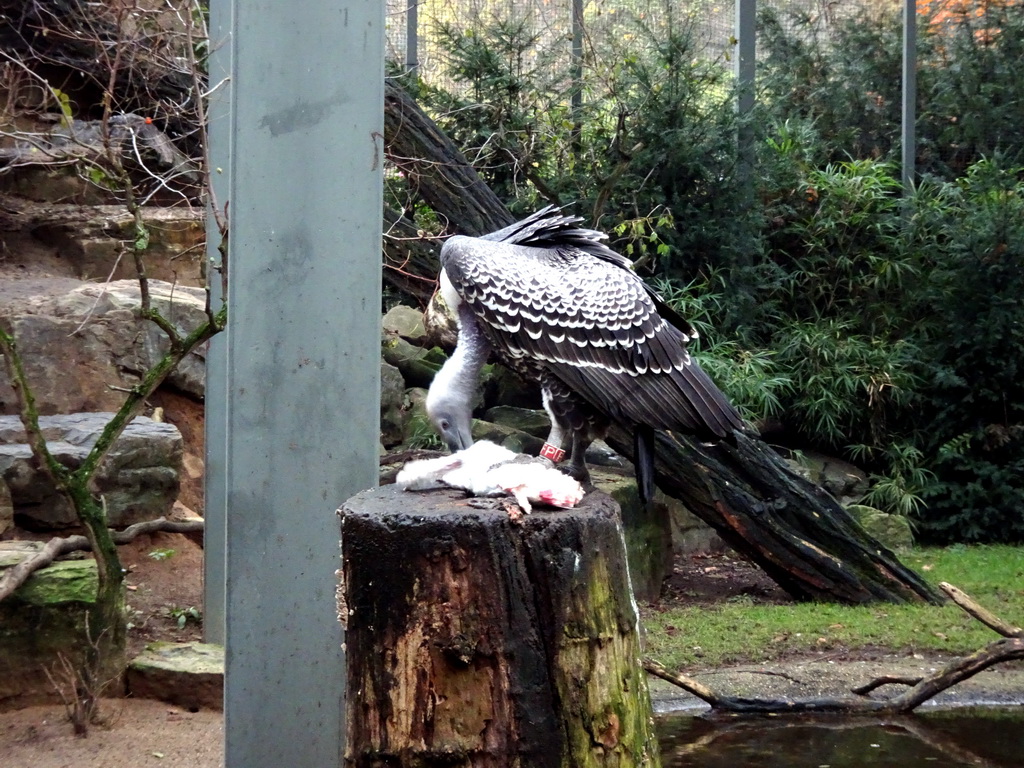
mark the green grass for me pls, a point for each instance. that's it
(740, 631)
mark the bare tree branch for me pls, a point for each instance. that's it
(983, 615)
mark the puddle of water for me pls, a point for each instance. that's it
(977, 737)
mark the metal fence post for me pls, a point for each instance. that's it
(746, 70)
(746, 58)
(909, 112)
(299, 395)
(215, 504)
(577, 57)
(412, 60)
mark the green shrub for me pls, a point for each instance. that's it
(972, 420)
(508, 107)
(655, 136)
(844, 77)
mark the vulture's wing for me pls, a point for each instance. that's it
(593, 323)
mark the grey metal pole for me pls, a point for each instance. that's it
(746, 61)
(215, 505)
(300, 425)
(577, 58)
(909, 112)
(412, 31)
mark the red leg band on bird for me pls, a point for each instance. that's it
(548, 451)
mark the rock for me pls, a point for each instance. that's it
(65, 581)
(183, 307)
(894, 531)
(94, 337)
(13, 552)
(533, 422)
(417, 365)
(6, 508)
(187, 414)
(417, 429)
(648, 532)
(406, 323)
(190, 675)
(600, 454)
(392, 402)
(502, 387)
(690, 534)
(139, 479)
(56, 184)
(510, 438)
(44, 618)
(95, 247)
(442, 330)
(840, 478)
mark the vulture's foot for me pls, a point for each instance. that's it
(579, 473)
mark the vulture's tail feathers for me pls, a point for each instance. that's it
(714, 411)
(643, 463)
(549, 228)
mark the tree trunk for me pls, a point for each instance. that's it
(436, 169)
(794, 530)
(411, 262)
(476, 641)
(438, 173)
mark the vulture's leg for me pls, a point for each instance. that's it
(577, 467)
(552, 448)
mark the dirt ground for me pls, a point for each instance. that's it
(164, 580)
(140, 733)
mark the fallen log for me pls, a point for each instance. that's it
(17, 575)
(794, 530)
(476, 640)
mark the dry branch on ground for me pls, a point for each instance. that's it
(920, 690)
(17, 575)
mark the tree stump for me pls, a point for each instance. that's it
(474, 640)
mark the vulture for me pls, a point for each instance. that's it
(556, 305)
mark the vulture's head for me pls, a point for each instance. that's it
(451, 416)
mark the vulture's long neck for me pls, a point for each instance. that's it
(459, 376)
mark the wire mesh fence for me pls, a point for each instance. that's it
(413, 38)
(966, 56)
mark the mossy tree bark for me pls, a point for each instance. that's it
(436, 168)
(476, 641)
